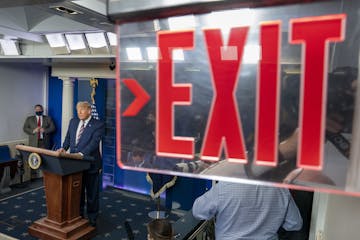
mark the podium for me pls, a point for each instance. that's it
(62, 174)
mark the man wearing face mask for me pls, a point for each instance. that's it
(39, 128)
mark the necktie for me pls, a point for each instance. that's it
(39, 125)
(80, 132)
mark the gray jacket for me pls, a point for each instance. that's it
(31, 123)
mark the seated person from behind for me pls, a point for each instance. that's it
(160, 229)
(138, 158)
(244, 211)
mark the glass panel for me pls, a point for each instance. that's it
(261, 95)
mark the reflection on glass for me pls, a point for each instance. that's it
(134, 53)
(153, 53)
(198, 69)
(182, 22)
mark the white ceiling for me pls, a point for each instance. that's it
(28, 20)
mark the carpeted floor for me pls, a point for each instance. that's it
(118, 209)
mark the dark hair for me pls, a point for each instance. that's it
(38, 105)
(160, 229)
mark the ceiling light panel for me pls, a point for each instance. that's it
(75, 41)
(56, 40)
(96, 40)
(183, 22)
(152, 53)
(251, 54)
(134, 54)
(112, 38)
(9, 47)
(57, 43)
(97, 43)
(178, 55)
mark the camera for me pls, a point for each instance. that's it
(341, 95)
(112, 66)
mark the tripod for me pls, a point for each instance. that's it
(158, 213)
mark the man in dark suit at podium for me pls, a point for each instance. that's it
(83, 136)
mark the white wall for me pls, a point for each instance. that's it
(22, 85)
(343, 218)
(335, 217)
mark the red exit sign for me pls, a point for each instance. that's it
(224, 129)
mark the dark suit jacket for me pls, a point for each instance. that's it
(31, 123)
(89, 141)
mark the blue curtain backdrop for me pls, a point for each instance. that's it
(55, 106)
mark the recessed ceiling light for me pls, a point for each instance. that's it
(66, 10)
(105, 23)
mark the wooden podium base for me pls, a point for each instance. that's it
(62, 181)
(46, 229)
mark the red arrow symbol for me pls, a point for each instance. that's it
(141, 97)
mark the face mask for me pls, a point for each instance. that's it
(39, 113)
